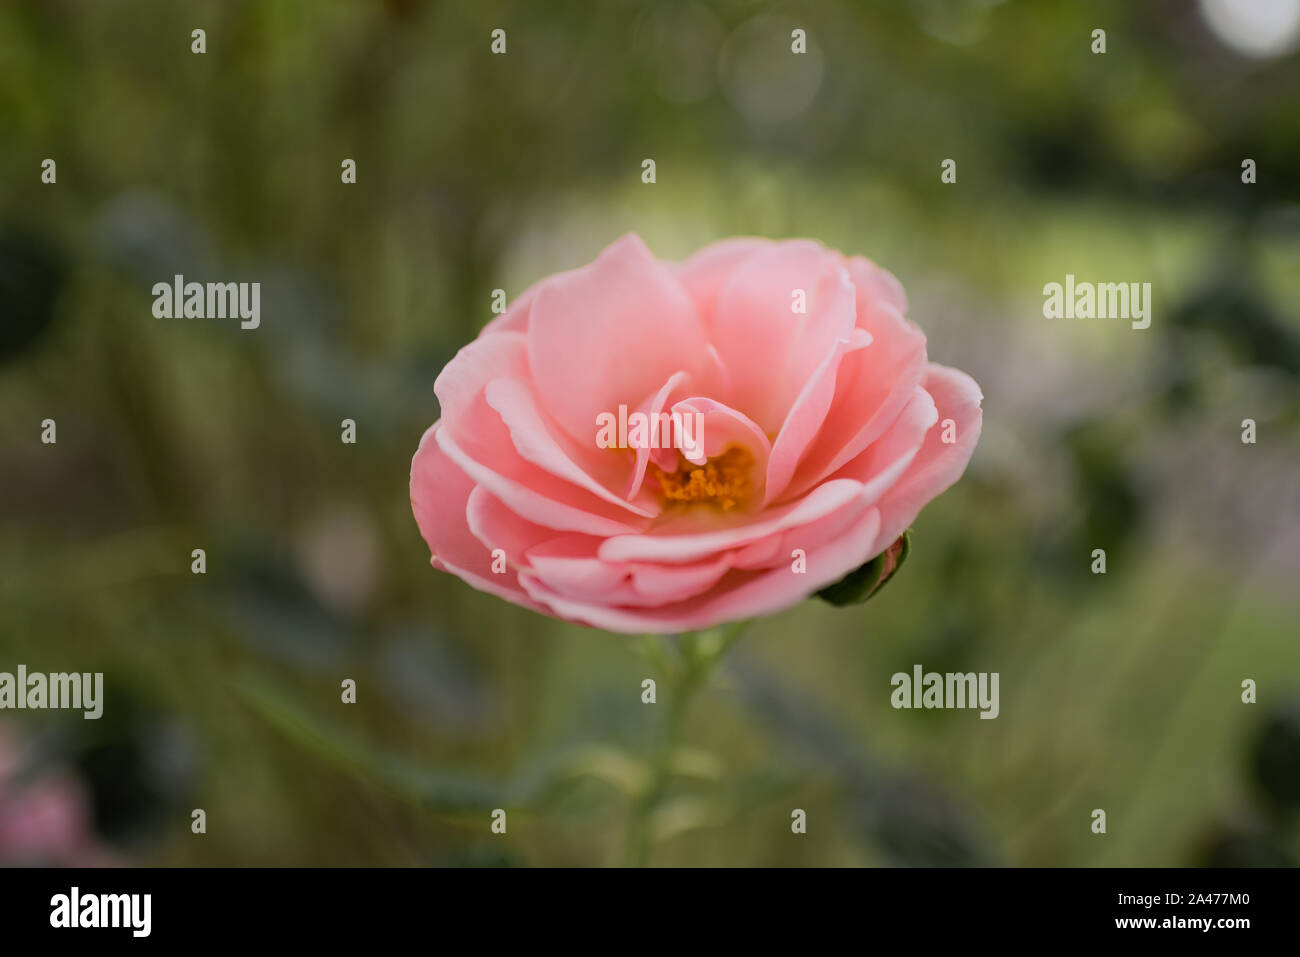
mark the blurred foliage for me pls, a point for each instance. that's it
(477, 172)
(30, 278)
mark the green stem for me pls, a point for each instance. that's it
(688, 674)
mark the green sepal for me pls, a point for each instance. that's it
(865, 581)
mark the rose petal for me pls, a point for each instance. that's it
(871, 389)
(770, 350)
(439, 494)
(739, 594)
(937, 465)
(610, 334)
(477, 438)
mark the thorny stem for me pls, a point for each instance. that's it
(698, 654)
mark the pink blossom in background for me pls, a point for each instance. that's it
(44, 817)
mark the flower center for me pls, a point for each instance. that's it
(722, 481)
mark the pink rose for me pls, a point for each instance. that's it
(822, 432)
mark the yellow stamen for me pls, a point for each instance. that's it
(722, 481)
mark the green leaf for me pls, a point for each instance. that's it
(864, 582)
(439, 791)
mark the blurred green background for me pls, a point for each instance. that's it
(477, 171)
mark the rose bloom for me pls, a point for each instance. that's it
(825, 430)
